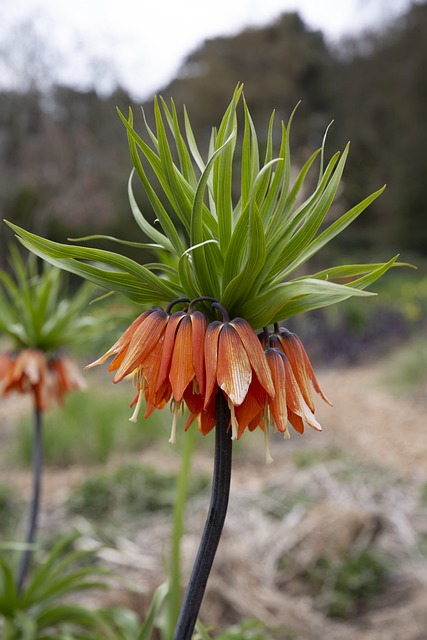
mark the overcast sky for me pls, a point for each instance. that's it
(142, 44)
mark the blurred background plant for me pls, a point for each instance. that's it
(40, 323)
(43, 609)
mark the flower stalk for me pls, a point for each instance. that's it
(35, 500)
(213, 527)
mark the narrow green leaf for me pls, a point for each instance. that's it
(186, 164)
(192, 144)
(60, 252)
(333, 230)
(286, 299)
(223, 173)
(314, 214)
(237, 289)
(156, 604)
(172, 242)
(208, 281)
(127, 243)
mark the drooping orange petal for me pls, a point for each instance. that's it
(182, 370)
(211, 357)
(207, 417)
(142, 342)
(255, 353)
(194, 401)
(162, 395)
(301, 365)
(251, 406)
(115, 362)
(168, 346)
(234, 371)
(123, 341)
(291, 347)
(199, 324)
(191, 418)
(295, 400)
(256, 422)
(296, 421)
(150, 369)
(277, 405)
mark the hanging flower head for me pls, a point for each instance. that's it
(226, 256)
(40, 322)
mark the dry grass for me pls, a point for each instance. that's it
(355, 488)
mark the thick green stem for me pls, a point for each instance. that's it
(35, 501)
(213, 527)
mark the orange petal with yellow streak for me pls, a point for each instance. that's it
(251, 406)
(150, 369)
(168, 346)
(143, 341)
(295, 399)
(207, 417)
(211, 357)
(199, 324)
(255, 353)
(277, 405)
(182, 370)
(234, 371)
(296, 421)
(122, 342)
(301, 365)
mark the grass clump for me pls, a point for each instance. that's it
(344, 586)
(307, 458)
(251, 630)
(11, 507)
(406, 370)
(132, 490)
(276, 505)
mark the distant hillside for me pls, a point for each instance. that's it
(64, 160)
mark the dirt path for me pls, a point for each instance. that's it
(372, 427)
(370, 421)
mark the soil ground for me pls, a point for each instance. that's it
(357, 485)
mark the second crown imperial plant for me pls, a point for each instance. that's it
(228, 279)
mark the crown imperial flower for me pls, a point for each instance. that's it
(47, 379)
(40, 320)
(240, 254)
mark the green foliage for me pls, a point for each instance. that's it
(307, 458)
(275, 504)
(132, 490)
(10, 508)
(100, 418)
(246, 630)
(344, 586)
(42, 610)
(405, 371)
(424, 494)
(34, 311)
(239, 252)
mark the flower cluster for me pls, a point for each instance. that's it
(184, 359)
(47, 378)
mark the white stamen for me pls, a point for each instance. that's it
(134, 416)
(234, 425)
(175, 409)
(268, 457)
